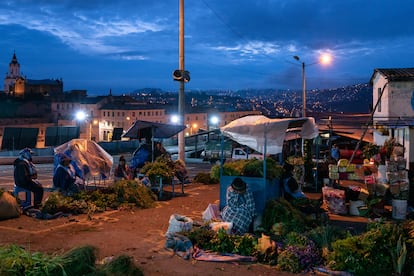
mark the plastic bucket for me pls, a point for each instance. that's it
(399, 209)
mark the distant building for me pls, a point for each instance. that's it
(12, 75)
(393, 101)
(17, 85)
(105, 115)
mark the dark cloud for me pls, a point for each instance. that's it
(228, 44)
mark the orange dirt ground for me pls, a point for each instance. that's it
(138, 233)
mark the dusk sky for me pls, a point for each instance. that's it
(124, 45)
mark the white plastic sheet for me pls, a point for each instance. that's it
(266, 135)
(91, 158)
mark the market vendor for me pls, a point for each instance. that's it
(64, 179)
(240, 208)
(291, 189)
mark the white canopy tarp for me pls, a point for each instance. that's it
(266, 135)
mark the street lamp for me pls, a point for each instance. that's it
(82, 117)
(175, 119)
(214, 120)
(213, 125)
(325, 59)
(193, 128)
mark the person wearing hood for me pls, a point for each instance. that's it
(25, 176)
(64, 178)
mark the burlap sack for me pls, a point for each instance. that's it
(9, 208)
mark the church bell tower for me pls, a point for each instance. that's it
(12, 75)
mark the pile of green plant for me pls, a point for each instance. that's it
(298, 245)
(254, 168)
(124, 193)
(162, 167)
(323, 236)
(204, 178)
(249, 168)
(233, 168)
(56, 202)
(370, 253)
(15, 260)
(408, 229)
(222, 242)
(165, 168)
(133, 193)
(281, 217)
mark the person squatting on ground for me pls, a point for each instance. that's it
(291, 188)
(64, 179)
(240, 208)
(122, 171)
(25, 176)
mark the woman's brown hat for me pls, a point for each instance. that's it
(238, 185)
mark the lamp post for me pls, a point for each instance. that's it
(182, 76)
(82, 117)
(303, 87)
(325, 59)
(212, 123)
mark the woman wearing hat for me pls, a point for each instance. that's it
(64, 178)
(240, 208)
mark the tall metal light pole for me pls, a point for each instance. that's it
(182, 76)
(181, 101)
(325, 59)
(303, 87)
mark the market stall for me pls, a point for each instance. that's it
(265, 136)
(366, 189)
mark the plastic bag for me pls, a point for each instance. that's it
(216, 226)
(179, 223)
(211, 212)
(9, 208)
(336, 200)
